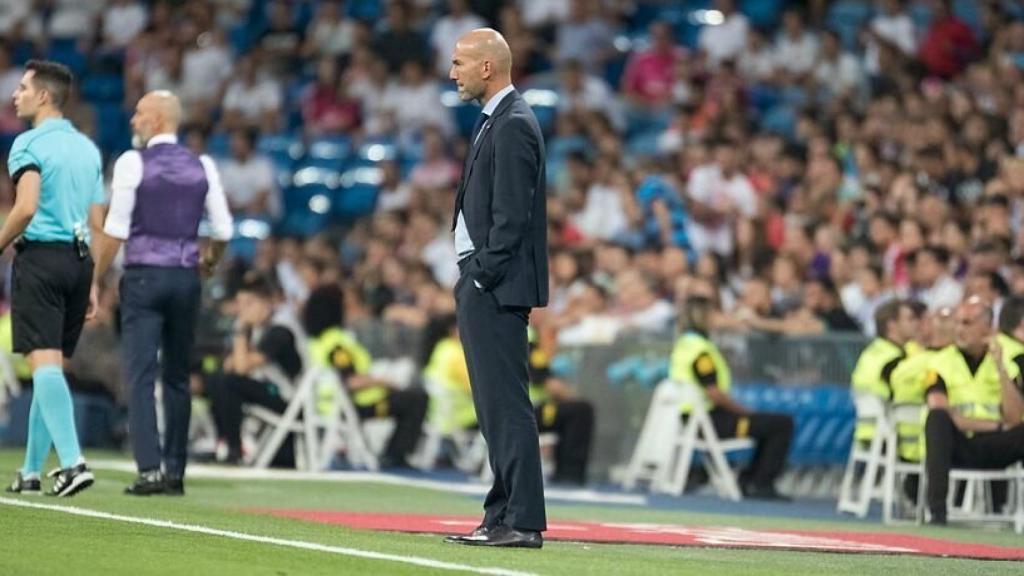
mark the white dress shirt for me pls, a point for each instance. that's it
(128, 176)
(463, 243)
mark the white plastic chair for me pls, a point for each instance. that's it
(896, 470)
(855, 494)
(667, 445)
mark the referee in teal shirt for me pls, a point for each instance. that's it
(58, 178)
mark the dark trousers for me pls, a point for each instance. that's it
(573, 421)
(408, 408)
(495, 343)
(158, 314)
(950, 448)
(228, 393)
(772, 433)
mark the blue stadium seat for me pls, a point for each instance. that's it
(848, 18)
(285, 150)
(218, 145)
(65, 51)
(103, 88)
(309, 201)
(113, 134)
(356, 194)
(762, 13)
(644, 145)
(375, 151)
(329, 152)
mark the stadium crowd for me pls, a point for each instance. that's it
(795, 166)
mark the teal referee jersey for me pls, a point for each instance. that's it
(71, 178)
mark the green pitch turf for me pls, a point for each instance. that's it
(47, 542)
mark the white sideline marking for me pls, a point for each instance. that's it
(470, 488)
(414, 560)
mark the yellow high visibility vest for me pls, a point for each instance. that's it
(688, 348)
(867, 377)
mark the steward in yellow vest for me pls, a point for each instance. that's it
(896, 323)
(555, 405)
(968, 425)
(697, 361)
(331, 345)
(908, 382)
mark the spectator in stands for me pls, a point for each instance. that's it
(637, 305)
(891, 27)
(248, 178)
(447, 31)
(822, 300)
(252, 100)
(933, 285)
(262, 341)
(396, 42)
(647, 81)
(10, 77)
(586, 36)
(725, 40)
(757, 62)
(327, 107)
(281, 42)
(330, 33)
(415, 100)
(721, 199)
(435, 170)
(949, 45)
(838, 73)
(584, 93)
(796, 47)
(205, 69)
(122, 21)
(331, 344)
(697, 361)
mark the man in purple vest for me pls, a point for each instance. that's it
(158, 196)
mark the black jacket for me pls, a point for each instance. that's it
(503, 198)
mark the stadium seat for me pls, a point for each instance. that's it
(103, 88)
(848, 18)
(218, 145)
(329, 152)
(285, 150)
(65, 51)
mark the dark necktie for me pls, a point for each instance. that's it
(476, 127)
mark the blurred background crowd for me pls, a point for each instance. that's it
(798, 163)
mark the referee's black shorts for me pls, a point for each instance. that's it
(49, 296)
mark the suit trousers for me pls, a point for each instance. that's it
(495, 342)
(158, 314)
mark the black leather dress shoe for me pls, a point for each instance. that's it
(507, 537)
(174, 487)
(481, 532)
(147, 484)
(768, 493)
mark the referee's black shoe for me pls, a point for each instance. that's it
(146, 484)
(22, 485)
(70, 481)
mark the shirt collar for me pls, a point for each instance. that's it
(165, 138)
(492, 104)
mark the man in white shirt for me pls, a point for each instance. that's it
(449, 28)
(724, 41)
(158, 197)
(933, 285)
(253, 99)
(248, 177)
(838, 72)
(892, 25)
(796, 48)
(720, 196)
(122, 22)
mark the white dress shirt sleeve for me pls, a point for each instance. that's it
(126, 179)
(221, 225)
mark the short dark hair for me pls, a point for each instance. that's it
(53, 77)
(1011, 314)
(259, 285)
(888, 312)
(324, 310)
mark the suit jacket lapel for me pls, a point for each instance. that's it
(474, 151)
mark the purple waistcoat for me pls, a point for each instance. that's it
(169, 204)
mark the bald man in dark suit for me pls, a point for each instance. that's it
(500, 226)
